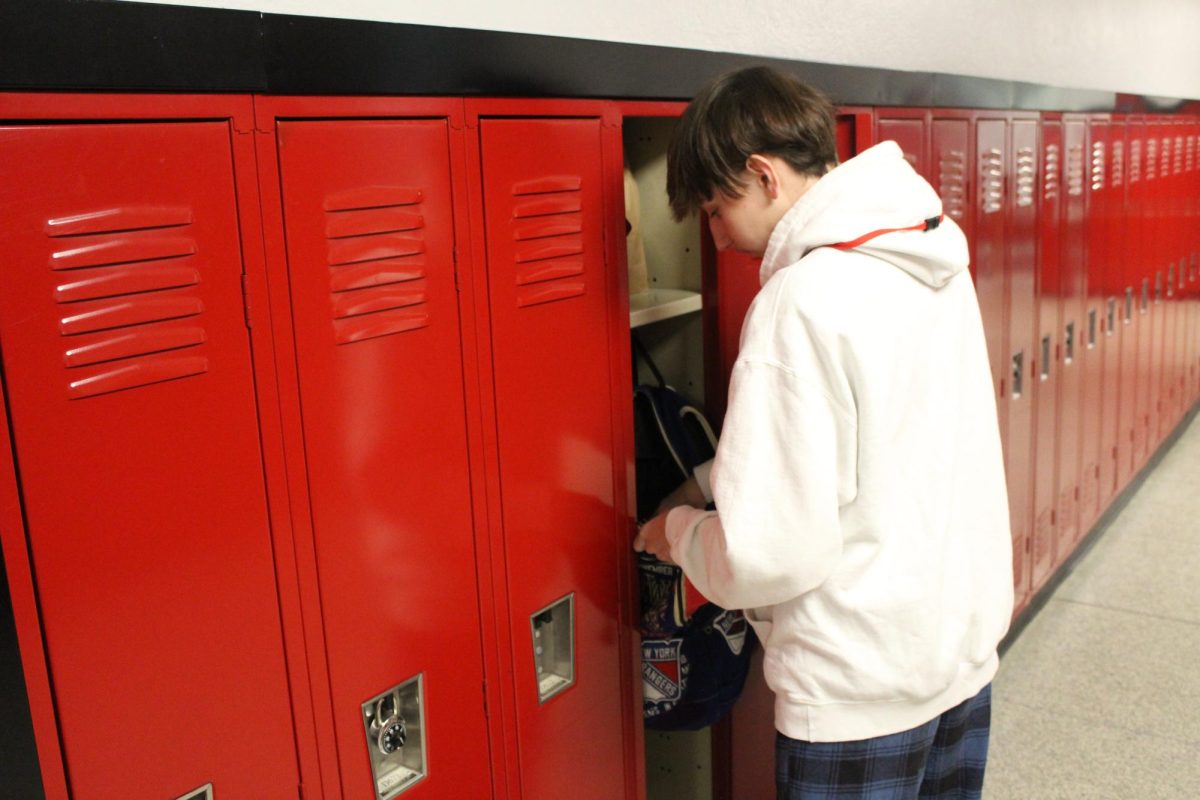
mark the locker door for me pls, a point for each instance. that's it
(1023, 353)
(1049, 355)
(370, 246)
(1126, 249)
(549, 302)
(1107, 139)
(1163, 275)
(989, 255)
(1143, 152)
(909, 128)
(952, 155)
(1153, 278)
(1080, 328)
(1192, 254)
(1140, 293)
(1101, 299)
(991, 282)
(127, 362)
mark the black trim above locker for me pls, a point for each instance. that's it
(128, 46)
(85, 44)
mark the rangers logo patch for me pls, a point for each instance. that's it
(664, 674)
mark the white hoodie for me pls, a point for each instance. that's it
(862, 514)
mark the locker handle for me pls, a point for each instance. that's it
(1018, 373)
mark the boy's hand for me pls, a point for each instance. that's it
(652, 538)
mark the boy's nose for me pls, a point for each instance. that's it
(721, 239)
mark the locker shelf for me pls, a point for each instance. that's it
(653, 305)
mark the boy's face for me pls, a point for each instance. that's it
(770, 188)
(739, 223)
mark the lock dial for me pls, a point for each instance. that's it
(392, 735)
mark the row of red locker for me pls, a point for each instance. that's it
(316, 483)
(1084, 248)
(320, 461)
(1085, 251)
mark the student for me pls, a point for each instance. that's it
(862, 517)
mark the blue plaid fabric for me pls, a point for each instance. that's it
(940, 760)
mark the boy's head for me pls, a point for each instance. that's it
(754, 111)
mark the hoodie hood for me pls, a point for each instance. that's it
(877, 190)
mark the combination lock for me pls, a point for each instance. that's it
(392, 735)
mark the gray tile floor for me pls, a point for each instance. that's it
(1099, 697)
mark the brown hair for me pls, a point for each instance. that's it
(753, 110)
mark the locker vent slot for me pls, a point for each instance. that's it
(1135, 161)
(375, 249)
(1097, 166)
(1165, 170)
(127, 311)
(1026, 176)
(1075, 170)
(1151, 158)
(548, 231)
(1118, 163)
(952, 183)
(1190, 158)
(991, 180)
(1053, 172)
(1178, 154)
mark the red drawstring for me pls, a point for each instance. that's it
(926, 225)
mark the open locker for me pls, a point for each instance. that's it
(696, 351)
(664, 259)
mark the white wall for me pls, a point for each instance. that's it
(1147, 47)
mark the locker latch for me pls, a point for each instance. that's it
(553, 633)
(394, 725)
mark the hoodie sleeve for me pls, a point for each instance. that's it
(785, 465)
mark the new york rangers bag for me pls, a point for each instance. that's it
(695, 655)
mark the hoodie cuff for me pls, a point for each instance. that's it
(701, 473)
(680, 521)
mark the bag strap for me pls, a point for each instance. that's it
(641, 352)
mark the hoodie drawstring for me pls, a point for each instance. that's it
(926, 225)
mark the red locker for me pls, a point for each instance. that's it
(1023, 352)
(551, 296)
(1176, 268)
(1140, 257)
(1103, 269)
(990, 257)
(1100, 302)
(1126, 245)
(909, 128)
(1049, 354)
(133, 406)
(369, 229)
(1192, 254)
(1080, 330)
(952, 154)
(1152, 279)
(1164, 278)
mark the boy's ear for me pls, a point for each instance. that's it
(764, 173)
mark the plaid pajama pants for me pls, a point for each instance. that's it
(940, 760)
